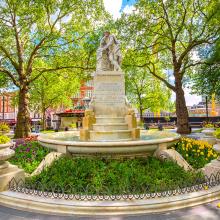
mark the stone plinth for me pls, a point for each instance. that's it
(109, 93)
(8, 171)
(109, 118)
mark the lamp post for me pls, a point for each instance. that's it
(2, 92)
(3, 107)
(207, 111)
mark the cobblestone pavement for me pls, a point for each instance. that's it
(203, 212)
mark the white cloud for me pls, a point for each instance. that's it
(113, 7)
(190, 99)
(128, 9)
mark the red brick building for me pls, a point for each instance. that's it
(7, 111)
(86, 90)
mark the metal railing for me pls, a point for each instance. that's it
(69, 192)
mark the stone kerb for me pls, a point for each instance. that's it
(214, 166)
(58, 203)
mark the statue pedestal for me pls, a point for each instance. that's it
(109, 118)
(109, 93)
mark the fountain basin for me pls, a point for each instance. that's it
(68, 142)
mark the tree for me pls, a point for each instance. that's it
(146, 92)
(51, 32)
(167, 34)
(51, 91)
(206, 80)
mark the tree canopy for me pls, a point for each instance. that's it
(165, 35)
(146, 92)
(50, 91)
(37, 37)
(206, 80)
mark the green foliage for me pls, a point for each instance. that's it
(29, 155)
(146, 92)
(166, 40)
(3, 80)
(73, 125)
(208, 125)
(47, 131)
(114, 176)
(162, 36)
(4, 139)
(167, 118)
(197, 153)
(206, 80)
(217, 133)
(53, 90)
(41, 37)
(4, 127)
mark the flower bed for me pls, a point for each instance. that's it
(4, 128)
(4, 139)
(112, 176)
(28, 154)
(196, 152)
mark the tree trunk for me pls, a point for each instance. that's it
(181, 109)
(43, 119)
(141, 114)
(23, 117)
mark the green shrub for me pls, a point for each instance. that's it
(217, 133)
(73, 125)
(167, 118)
(209, 125)
(113, 176)
(47, 131)
(4, 139)
(4, 127)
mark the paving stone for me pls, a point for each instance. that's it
(202, 212)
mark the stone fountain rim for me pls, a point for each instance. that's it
(8, 144)
(64, 207)
(43, 138)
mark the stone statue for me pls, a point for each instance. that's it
(108, 54)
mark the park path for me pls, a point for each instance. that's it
(202, 212)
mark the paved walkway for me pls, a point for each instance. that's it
(203, 212)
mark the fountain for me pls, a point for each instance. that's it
(109, 125)
(7, 170)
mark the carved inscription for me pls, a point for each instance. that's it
(114, 87)
(109, 92)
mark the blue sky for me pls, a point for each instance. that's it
(127, 2)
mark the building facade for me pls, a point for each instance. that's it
(8, 112)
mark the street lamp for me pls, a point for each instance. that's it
(2, 92)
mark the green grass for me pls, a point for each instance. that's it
(197, 131)
(47, 131)
(113, 176)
